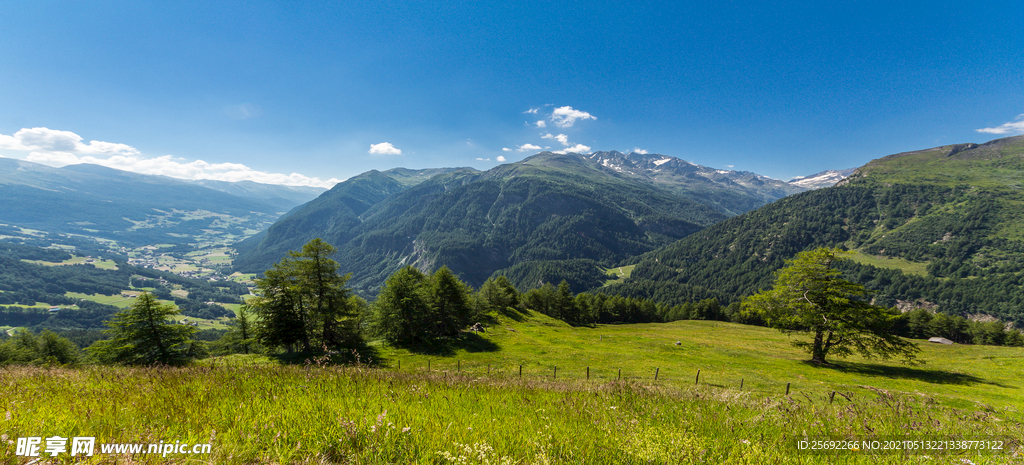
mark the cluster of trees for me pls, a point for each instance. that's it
(923, 324)
(46, 348)
(413, 307)
(303, 302)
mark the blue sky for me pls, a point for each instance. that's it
(261, 90)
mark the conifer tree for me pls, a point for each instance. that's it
(811, 296)
(145, 334)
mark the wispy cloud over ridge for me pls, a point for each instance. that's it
(61, 148)
(1013, 127)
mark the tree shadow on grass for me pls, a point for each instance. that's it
(908, 372)
(510, 313)
(358, 354)
(468, 341)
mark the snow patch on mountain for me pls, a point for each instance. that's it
(826, 178)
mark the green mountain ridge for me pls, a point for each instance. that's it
(546, 208)
(956, 211)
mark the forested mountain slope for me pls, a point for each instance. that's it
(952, 217)
(333, 216)
(545, 208)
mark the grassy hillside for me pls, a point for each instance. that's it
(963, 376)
(942, 225)
(253, 411)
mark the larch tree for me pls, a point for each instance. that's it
(302, 301)
(810, 296)
(146, 334)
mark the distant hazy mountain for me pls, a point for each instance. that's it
(826, 178)
(138, 209)
(602, 207)
(282, 197)
(944, 225)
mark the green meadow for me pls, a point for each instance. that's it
(471, 406)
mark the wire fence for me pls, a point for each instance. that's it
(655, 375)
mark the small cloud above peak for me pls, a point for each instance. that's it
(525, 147)
(640, 151)
(561, 138)
(1013, 127)
(500, 159)
(384, 148)
(566, 116)
(578, 148)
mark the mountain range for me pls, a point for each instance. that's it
(529, 217)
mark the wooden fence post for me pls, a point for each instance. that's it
(520, 371)
(787, 389)
(556, 373)
(620, 374)
(741, 384)
(832, 397)
(656, 370)
(588, 372)
(697, 379)
(458, 366)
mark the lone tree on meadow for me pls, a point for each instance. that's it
(810, 296)
(146, 334)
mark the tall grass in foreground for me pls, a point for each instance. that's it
(290, 414)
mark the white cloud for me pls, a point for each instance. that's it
(506, 149)
(541, 124)
(640, 151)
(1013, 127)
(60, 148)
(47, 140)
(564, 117)
(500, 158)
(482, 159)
(532, 110)
(384, 148)
(561, 138)
(579, 148)
(729, 166)
(525, 147)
